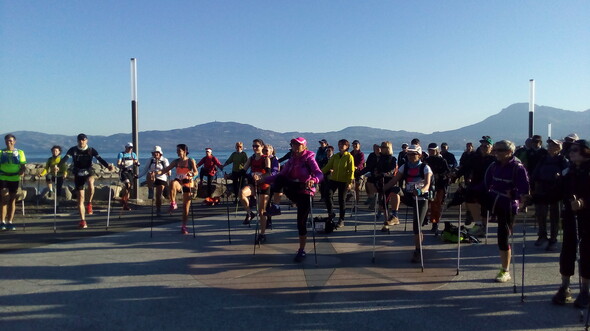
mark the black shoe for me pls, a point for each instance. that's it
(552, 245)
(425, 222)
(249, 216)
(582, 300)
(434, 229)
(268, 222)
(541, 240)
(261, 239)
(300, 256)
(563, 296)
(416, 256)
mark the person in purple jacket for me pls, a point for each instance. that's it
(297, 179)
(505, 181)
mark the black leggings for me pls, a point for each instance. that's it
(342, 188)
(209, 182)
(505, 222)
(303, 201)
(410, 201)
(567, 258)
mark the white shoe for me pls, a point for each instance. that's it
(503, 276)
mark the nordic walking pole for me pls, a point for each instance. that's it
(355, 211)
(419, 233)
(152, 220)
(193, 215)
(487, 224)
(109, 208)
(315, 252)
(375, 227)
(55, 204)
(406, 220)
(578, 260)
(523, 255)
(227, 209)
(239, 190)
(256, 242)
(459, 242)
(512, 251)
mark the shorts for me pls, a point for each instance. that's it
(265, 191)
(12, 187)
(185, 188)
(126, 177)
(80, 181)
(159, 182)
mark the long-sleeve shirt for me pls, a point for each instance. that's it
(342, 165)
(505, 184)
(209, 163)
(300, 169)
(51, 163)
(238, 160)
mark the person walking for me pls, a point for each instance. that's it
(53, 173)
(127, 161)
(12, 167)
(505, 182)
(448, 156)
(186, 171)
(340, 168)
(82, 156)
(157, 162)
(238, 160)
(441, 172)
(359, 164)
(297, 179)
(210, 164)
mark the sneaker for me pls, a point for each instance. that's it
(268, 222)
(300, 256)
(261, 239)
(416, 258)
(503, 276)
(340, 224)
(385, 228)
(563, 296)
(434, 228)
(552, 245)
(477, 231)
(173, 206)
(150, 193)
(183, 229)
(425, 222)
(582, 300)
(393, 220)
(89, 208)
(82, 224)
(274, 210)
(3, 227)
(10, 227)
(541, 240)
(249, 216)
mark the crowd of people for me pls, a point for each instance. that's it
(496, 179)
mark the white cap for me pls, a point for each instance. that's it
(415, 149)
(157, 149)
(128, 145)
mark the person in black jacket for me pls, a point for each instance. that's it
(441, 171)
(544, 179)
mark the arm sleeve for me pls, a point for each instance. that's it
(99, 158)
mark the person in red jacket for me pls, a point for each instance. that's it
(210, 164)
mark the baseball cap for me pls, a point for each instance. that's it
(157, 149)
(322, 141)
(487, 140)
(128, 145)
(208, 149)
(355, 142)
(432, 146)
(82, 136)
(571, 137)
(554, 141)
(302, 141)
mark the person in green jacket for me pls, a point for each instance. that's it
(340, 168)
(238, 175)
(12, 167)
(53, 172)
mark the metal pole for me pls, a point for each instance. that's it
(134, 124)
(531, 107)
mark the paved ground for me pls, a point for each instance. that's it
(129, 278)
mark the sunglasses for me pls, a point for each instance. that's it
(294, 144)
(255, 146)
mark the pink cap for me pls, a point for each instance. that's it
(300, 141)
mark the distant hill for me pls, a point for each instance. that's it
(510, 123)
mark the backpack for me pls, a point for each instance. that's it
(324, 224)
(431, 189)
(450, 234)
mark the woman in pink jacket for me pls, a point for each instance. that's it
(298, 178)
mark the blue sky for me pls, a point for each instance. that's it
(310, 66)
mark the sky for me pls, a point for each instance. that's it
(307, 66)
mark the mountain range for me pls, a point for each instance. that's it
(511, 123)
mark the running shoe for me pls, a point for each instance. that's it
(340, 224)
(503, 276)
(541, 240)
(416, 258)
(477, 231)
(261, 239)
(82, 224)
(563, 296)
(552, 245)
(11, 227)
(274, 210)
(173, 206)
(582, 300)
(385, 228)
(183, 229)
(393, 220)
(3, 227)
(89, 208)
(300, 256)
(249, 216)
(434, 228)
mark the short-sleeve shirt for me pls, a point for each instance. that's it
(10, 164)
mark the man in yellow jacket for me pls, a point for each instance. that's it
(340, 169)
